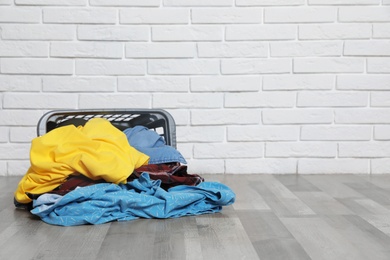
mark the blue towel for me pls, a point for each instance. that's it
(141, 198)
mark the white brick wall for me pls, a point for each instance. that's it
(255, 86)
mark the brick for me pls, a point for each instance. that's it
(364, 149)
(112, 50)
(306, 49)
(269, 2)
(380, 166)
(20, 15)
(18, 167)
(146, 3)
(3, 168)
(78, 84)
(197, 3)
(181, 116)
(336, 133)
(217, 168)
(298, 82)
(332, 166)
(367, 48)
(260, 32)
(6, 2)
(4, 134)
(22, 134)
(301, 149)
(19, 117)
(154, 16)
(225, 83)
(382, 132)
(187, 33)
(153, 84)
(334, 31)
(115, 100)
(364, 14)
(113, 33)
(14, 151)
(80, 15)
(362, 116)
(160, 50)
(363, 82)
(297, 116)
(183, 67)
(255, 66)
(200, 134)
(300, 15)
(110, 67)
(262, 133)
(228, 150)
(225, 116)
(261, 99)
(15, 83)
(380, 99)
(329, 65)
(39, 101)
(344, 2)
(381, 31)
(332, 99)
(38, 32)
(227, 15)
(36, 66)
(193, 100)
(186, 150)
(52, 2)
(206, 166)
(23, 49)
(261, 166)
(378, 65)
(233, 50)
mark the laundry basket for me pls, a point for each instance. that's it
(158, 120)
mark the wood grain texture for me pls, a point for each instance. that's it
(275, 217)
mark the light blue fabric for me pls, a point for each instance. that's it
(46, 201)
(152, 144)
(141, 198)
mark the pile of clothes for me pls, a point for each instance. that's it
(95, 173)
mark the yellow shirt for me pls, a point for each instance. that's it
(98, 150)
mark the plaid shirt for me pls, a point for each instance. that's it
(170, 175)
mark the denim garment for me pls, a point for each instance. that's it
(152, 144)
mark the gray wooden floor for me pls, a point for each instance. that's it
(274, 217)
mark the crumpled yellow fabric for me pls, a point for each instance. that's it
(98, 150)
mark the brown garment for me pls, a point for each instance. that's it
(170, 175)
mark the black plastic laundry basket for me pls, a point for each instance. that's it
(155, 119)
